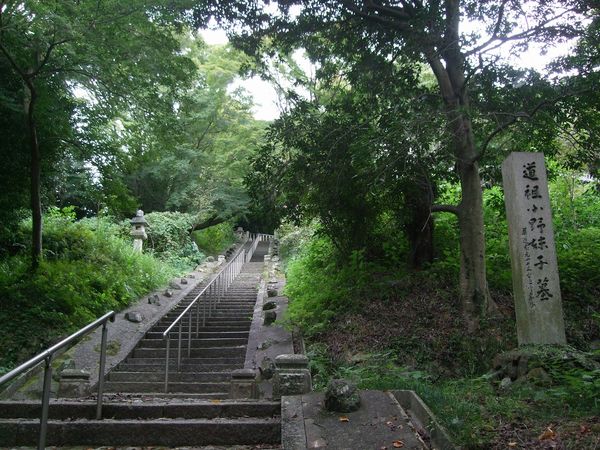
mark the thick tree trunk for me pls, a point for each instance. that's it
(474, 292)
(35, 174)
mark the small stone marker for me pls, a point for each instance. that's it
(536, 285)
(74, 383)
(243, 384)
(341, 396)
(270, 316)
(173, 285)
(135, 317)
(292, 376)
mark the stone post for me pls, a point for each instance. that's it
(243, 384)
(536, 286)
(138, 230)
(292, 376)
(74, 383)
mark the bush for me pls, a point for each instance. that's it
(320, 287)
(292, 239)
(169, 239)
(88, 271)
(213, 240)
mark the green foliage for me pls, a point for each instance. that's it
(292, 239)
(473, 409)
(320, 287)
(88, 271)
(169, 238)
(215, 239)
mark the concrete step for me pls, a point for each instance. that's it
(208, 352)
(187, 377)
(213, 316)
(158, 386)
(159, 367)
(209, 328)
(187, 361)
(63, 410)
(158, 342)
(203, 334)
(153, 432)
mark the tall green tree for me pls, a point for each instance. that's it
(115, 51)
(430, 32)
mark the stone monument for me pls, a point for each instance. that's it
(536, 286)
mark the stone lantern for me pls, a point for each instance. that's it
(239, 233)
(138, 230)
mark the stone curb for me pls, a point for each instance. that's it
(418, 411)
(293, 432)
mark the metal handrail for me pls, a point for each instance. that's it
(47, 356)
(252, 249)
(214, 290)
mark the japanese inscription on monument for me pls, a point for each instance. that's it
(536, 284)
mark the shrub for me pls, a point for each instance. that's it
(169, 239)
(320, 287)
(88, 271)
(213, 240)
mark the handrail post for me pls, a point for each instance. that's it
(101, 371)
(206, 297)
(45, 402)
(198, 319)
(190, 334)
(167, 363)
(179, 349)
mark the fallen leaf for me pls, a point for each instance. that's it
(547, 434)
(512, 444)
(344, 419)
(398, 444)
(584, 428)
(215, 401)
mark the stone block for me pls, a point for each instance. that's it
(291, 361)
(269, 305)
(271, 292)
(267, 368)
(74, 383)
(341, 396)
(168, 293)
(292, 376)
(184, 281)
(270, 317)
(154, 300)
(174, 286)
(243, 384)
(134, 317)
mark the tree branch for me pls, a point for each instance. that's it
(374, 17)
(514, 117)
(525, 34)
(445, 208)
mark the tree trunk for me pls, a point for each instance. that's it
(474, 292)
(35, 174)
(473, 281)
(419, 227)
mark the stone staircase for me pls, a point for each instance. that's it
(194, 412)
(219, 348)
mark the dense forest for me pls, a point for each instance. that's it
(381, 177)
